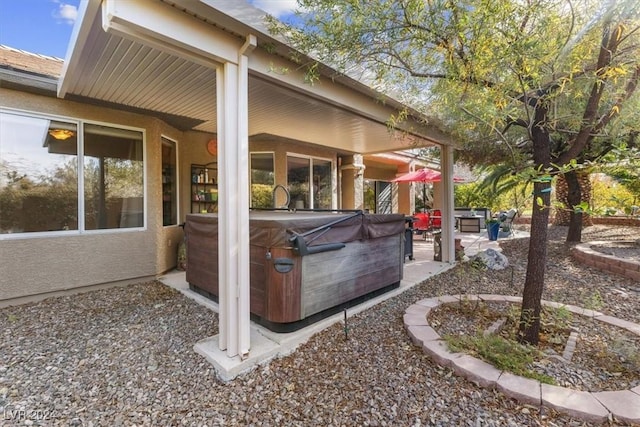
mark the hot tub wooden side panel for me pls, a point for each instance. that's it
(202, 268)
(202, 260)
(257, 279)
(275, 296)
(332, 278)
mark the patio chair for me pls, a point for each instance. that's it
(422, 225)
(506, 220)
(436, 219)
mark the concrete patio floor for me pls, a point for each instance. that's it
(266, 344)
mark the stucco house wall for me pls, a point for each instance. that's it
(33, 265)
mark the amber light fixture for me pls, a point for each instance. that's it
(61, 134)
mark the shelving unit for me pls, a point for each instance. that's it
(204, 188)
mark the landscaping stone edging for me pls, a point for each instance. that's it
(624, 405)
(623, 267)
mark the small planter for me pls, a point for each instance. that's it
(492, 230)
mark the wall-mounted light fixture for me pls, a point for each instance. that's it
(61, 134)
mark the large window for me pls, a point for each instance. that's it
(39, 181)
(262, 180)
(309, 182)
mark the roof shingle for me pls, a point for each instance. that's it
(30, 62)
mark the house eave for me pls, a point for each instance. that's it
(28, 82)
(150, 56)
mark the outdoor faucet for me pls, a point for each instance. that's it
(273, 196)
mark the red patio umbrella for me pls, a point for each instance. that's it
(423, 175)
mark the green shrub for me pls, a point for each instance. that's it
(261, 196)
(504, 354)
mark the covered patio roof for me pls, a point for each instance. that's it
(210, 65)
(128, 54)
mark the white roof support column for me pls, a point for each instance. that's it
(244, 194)
(233, 206)
(448, 246)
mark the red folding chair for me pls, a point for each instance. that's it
(421, 224)
(436, 219)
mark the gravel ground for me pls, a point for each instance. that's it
(628, 250)
(124, 357)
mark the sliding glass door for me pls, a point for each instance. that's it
(310, 182)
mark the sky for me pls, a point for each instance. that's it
(38, 26)
(45, 26)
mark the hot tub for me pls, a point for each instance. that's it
(304, 265)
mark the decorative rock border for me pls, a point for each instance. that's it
(624, 405)
(620, 266)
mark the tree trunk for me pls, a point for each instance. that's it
(529, 327)
(574, 197)
(572, 189)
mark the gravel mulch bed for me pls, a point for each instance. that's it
(606, 357)
(124, 356)
(628, 250)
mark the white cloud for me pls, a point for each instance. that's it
(66, 13)
(277, 8)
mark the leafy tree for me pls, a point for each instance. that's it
(623, 164)
(538, 82)
(476, 195)
(610, 198)
(500, 179)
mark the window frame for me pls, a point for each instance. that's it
(177, 176)
(311, 164)
(80, 176)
